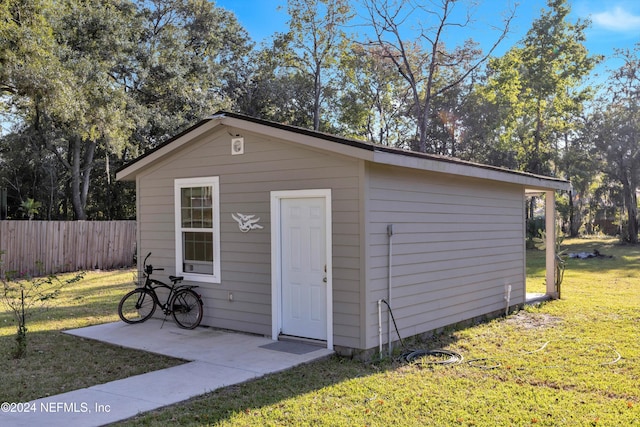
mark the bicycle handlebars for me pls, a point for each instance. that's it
(149, 268)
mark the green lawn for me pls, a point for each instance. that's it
(55, 362)
(572, 362)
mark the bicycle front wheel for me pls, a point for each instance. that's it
(186, 309)
(137, 306)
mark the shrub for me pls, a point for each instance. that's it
(23, 293)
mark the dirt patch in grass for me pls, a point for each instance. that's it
(527, 320)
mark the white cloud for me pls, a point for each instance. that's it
(617, 19)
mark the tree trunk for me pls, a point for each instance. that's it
(575, 216)
(425, 108)
(535, 162)
(76, 202)
(86, 172)
(317, 87)
(80, 176)
(531, 207)
(631, 202)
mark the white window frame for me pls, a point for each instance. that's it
(214, 183)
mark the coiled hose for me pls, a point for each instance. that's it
(433, 357)
(425, 357)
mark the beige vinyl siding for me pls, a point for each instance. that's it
(456, 243)
(245, 185)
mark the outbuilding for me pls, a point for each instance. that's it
(292, 233)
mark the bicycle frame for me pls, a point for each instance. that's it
(183, 303)
(153, 284)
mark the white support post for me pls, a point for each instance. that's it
(550, 248)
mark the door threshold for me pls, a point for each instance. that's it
(310, 341)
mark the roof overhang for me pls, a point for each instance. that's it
(353, 148)
(532, 182)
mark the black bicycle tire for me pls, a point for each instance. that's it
(127, 299)
(177, 314)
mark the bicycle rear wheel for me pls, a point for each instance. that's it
(186, 309)
(137, 306)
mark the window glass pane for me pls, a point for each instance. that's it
(197, 207)
(196, 196)
(185, 199)
(207, 197)
(186, 218)
(196, 218)
(198, 252)
(207, 218)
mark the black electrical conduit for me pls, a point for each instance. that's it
(443, 357)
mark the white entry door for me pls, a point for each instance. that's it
(303, 267)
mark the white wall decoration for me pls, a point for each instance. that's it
(247, 222)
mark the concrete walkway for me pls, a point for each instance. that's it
(535, 298)
(216, 359)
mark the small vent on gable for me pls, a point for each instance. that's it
(237, 146)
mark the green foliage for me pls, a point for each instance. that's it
(93, 84)
(616, 130)
(537, 95)
(274, 92)
(30, 208)
(534, 225)
(315, 40)
(371, 91)
(94, 80)
(27, 53)
(22, 294)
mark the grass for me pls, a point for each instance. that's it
(56, 362)
(554, 364)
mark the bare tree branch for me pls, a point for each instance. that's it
(420, 64)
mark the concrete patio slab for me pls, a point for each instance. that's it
(216, 359)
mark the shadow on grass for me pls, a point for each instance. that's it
(60, 316)
(222, 404)
(273, 389)
(57, 363)
(614, 256)
(74, 307)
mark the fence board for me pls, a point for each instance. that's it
(62, 246)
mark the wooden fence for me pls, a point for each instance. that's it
(44, 247)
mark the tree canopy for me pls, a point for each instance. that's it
(92, 84)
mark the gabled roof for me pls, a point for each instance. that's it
(351, 147)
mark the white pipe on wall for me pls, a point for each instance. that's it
(507, 297)
(380, 326)
(390, 234)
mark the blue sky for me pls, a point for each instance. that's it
(615, 23)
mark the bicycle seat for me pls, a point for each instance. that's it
(176, 279)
